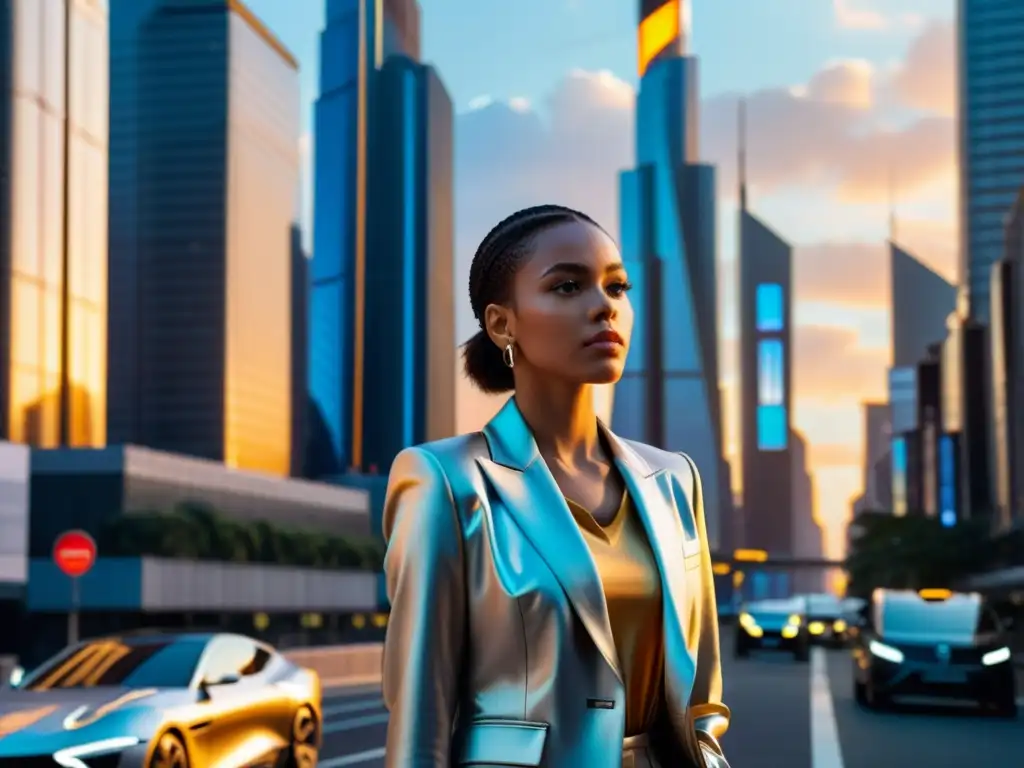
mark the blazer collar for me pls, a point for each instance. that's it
(512, 445)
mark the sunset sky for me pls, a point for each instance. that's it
(843, 95)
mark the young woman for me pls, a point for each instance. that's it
(551, 590)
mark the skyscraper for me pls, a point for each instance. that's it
(991, 143)
(1007, 355)
(921, 302)
(383, 231)
(766, 309)
(204, 178)
(299, 353)
(877, 429)
(53, 222)
(808, 536)
(669, 394)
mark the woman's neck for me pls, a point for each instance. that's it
(563, 421)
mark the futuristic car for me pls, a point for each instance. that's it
(933, 643)
(825, 620)
(163, 701)
(773, 625)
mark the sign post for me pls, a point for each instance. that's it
(74, 553)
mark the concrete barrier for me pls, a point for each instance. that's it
(342, 665)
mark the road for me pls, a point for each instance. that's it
(784, 714)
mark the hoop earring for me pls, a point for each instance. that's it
(508, 355)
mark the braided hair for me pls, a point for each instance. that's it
(490, 282)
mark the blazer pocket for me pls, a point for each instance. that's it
(517, 743)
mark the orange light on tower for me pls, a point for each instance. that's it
(657, 31)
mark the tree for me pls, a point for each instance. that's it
(913, 552)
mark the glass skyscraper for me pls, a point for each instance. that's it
(991, 99)
(204, 174)
(669, 394)
(382, 339)
(53, 222)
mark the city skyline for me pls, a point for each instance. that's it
(895, 76)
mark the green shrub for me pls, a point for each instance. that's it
(195, 532)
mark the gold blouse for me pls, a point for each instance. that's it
(632, 589)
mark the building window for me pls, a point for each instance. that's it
(771, 428)
(770, 306)
(770, 370)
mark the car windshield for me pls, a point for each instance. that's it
(147, 664)
(952, 619)
(824, 606)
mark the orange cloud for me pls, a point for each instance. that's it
(854, 14)
(926, 79)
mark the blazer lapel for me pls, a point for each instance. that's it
(655, 503)
(522, 481)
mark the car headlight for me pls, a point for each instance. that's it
(74, 757)
(746, 620)
(887, 652)
(839, 626)
(998, 656)
(796, 620)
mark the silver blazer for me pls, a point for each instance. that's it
(498, 649)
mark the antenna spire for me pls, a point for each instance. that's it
(741, 162)
(892, 204)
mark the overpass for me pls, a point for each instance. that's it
(759, 559)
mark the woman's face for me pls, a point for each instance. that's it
(570, 315)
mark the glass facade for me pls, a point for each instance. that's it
(991, 85)
(204, 176)
(770, 307)
(669, 394)
(903, 399)
(899, 476)
(351, 51)
(57, 214)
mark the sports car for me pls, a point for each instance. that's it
(933, 643)
(826, 623)
(163, 701)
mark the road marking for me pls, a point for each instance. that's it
(354, 723)
(360, 705)
(353, 759)
(826, 751)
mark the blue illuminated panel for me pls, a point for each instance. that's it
(899, 477)
(770, 380)
(771, 428)
(947, 482)
(770, 307)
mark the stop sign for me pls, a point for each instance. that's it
(74, 553)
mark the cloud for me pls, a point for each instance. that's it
(855, 14)
(926, 79)
(829, 365)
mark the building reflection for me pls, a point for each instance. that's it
(54, 238)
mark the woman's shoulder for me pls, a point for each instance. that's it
(447, 456)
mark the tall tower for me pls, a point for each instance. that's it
(381, 341)
(53, 223)
(204, 169)
(669, 394)
(990, 71)
(765, 267)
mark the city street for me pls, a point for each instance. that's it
(784, 714)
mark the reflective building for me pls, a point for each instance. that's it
(204, 177)
(991, 98)
(877, 432)
(669, 395)
(53, 222)
(808, 535)
(382, 264)
(766, 376)
(921, 301)
(1007, 354)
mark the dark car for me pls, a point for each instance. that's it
(933, 643)
(778, 625)
(826, 622)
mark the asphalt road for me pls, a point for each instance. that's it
(784, 714)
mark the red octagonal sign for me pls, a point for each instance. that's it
(74, 553)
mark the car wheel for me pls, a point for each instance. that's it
(170, 752)
(1006, 708)
(741, 651)
(305, 746)
(802, 652)
(873, 699)
(860, 693)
